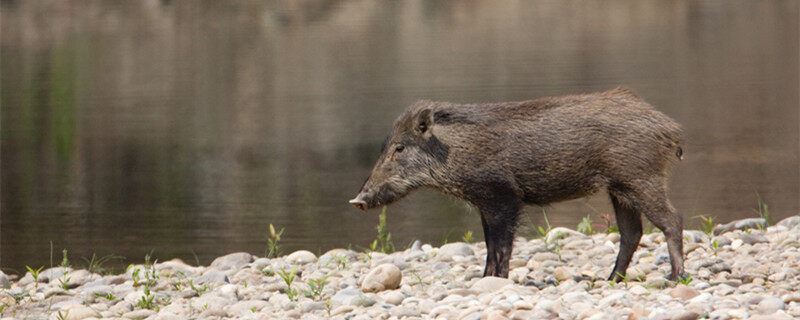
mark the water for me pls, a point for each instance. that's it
(184, 127)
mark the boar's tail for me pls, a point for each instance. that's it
(679, 153)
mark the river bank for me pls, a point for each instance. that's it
(741, 271)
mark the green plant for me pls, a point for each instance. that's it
(341, 261)
(383, 243)
(108, 296)
(62, 315)
(64, 282)
(762, 209)
(715, 246)
(649, 228)
(585, 226)
(315, 287)
(288, 278)
(96, 264)
(273, 247)
(706, 223)
(198, 290)
(267, 271)
(35, 274)
(147, 301)
(544, 230)
(64, 259)
(685, 280)
(623, 278)
(611, 227)
(467, 237)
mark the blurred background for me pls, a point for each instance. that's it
(186, 127)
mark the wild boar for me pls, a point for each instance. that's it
(502, 156)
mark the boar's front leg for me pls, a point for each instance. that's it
(499, 220)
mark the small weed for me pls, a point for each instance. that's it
(585, 226)
(341, 261)
(649, 228)
(544, 230)
(64, 259)
(19, 296)
(253, 309)
(762, 210)
(418, 281)
(35, 274)
(3, 308)
(288, 278)
(383, 243)
(446, 237)
(467, 237)
(715, 246)
(198, 290)
(707, 223)
(315, 287)
(685, 280)
(108, 296)
(623, 278)
(328, 306)
(96, 264)
(64, 282)
(267, 271)
(611, 227)
(147, 301)
(62, 315)
(273, 247)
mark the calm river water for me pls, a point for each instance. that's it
(186, 127)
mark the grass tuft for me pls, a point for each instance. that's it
(383, 243)
(273, 247)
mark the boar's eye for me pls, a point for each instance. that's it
(422, 127)
(399, 148)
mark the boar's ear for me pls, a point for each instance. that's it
(423, 123)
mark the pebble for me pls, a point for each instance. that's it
(386, 276)
(450, 250)
(301, 257)
(683, 292)
(489, 284)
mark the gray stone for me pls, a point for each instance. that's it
(79, 313)
(213, 277)
(489, 284)
(770, 305)
(233, 261)
(310, 306)
(753, 238)
(393, 297)
(177, 265)
(789, 222)
(383, 277)
(744, 224)
(139, 314)
(351, 297)
(301, 257)
(448, 251)
(404, 311)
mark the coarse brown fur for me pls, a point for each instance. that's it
(501, 156)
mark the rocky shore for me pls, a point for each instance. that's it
(741, 271)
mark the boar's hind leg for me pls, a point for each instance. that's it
(651, 200)
(630, 230)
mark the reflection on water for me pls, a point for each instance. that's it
(187, 127)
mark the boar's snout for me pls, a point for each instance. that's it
(359, 202)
